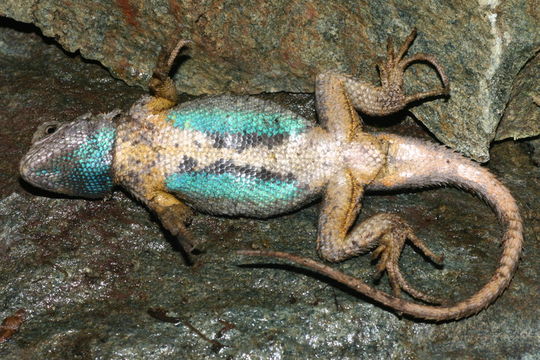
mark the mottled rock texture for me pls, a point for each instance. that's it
(521, 117)
(246, 46)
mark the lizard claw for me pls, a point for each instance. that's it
(393, 68)
(161, 84)
(388, 253)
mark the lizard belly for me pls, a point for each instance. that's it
(228, 189)
(247, 157)
(227, 156)
(256, 181)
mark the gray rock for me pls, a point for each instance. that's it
(521, 117)
(246, 46)
(534, 145)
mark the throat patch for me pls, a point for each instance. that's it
(93, 162)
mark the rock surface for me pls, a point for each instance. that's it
(521, 118)
(101, 280)
(246, 46)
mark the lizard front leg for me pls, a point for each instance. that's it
(338, 240)
(175, 216)
(161, 85)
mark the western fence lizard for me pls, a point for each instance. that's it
(243, 156)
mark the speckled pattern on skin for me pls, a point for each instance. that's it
(249, 157)
(247, 178)
(85, 162)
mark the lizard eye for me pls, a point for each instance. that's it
(50, 129)
(45, 130)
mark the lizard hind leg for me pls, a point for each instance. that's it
(387, 233)
(390, 97)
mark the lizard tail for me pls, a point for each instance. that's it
(414, 163)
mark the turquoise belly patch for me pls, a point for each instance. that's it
(236, 115)
(224, 180)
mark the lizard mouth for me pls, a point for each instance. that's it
(27, 166)
(33, 171)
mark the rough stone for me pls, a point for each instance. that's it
(534, 145)
(90, 273)
(521, 117)
(245, 46)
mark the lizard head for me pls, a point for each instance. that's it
(73, 158)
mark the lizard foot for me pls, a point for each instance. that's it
(388, 253)
(161, 85)
(393, 68)
(176, 219)
(390, 96)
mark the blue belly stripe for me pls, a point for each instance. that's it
(232, 187)
(237, 121)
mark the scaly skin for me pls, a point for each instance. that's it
(412, 163)
(242, 156)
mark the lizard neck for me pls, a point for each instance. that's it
(95, 163)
